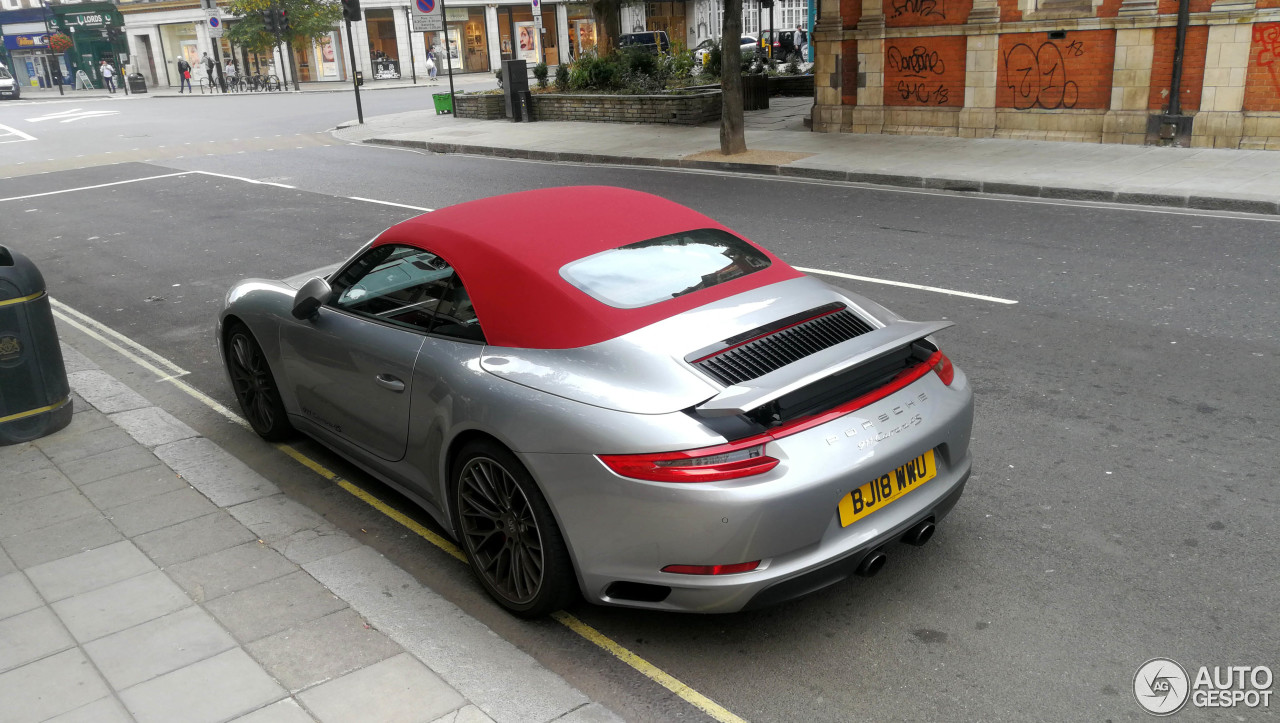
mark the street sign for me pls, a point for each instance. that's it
(215, 23)
(426, 16)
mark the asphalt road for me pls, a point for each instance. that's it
(1120, 508)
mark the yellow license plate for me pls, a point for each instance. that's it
(879, 492)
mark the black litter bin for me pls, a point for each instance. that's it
(35, 399)
(137, 83)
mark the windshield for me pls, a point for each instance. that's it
(666, 267)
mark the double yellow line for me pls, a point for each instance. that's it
(167, 371)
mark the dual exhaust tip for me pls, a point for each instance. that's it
(918, 535)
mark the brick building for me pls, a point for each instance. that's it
(1074, 70)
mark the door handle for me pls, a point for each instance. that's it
(390, 382)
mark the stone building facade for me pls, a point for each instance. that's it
(1072, 70)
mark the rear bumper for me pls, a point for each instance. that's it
(621, 530)
(841, 569)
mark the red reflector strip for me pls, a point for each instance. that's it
(712, 569)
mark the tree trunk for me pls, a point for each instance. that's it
(293, 63)
(608, 17)
(733, 138)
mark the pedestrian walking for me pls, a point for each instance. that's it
(230, 72)
(431, 65)
(108, 76)
(184, 74)
(207, 62)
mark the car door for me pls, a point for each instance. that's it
(351, 365)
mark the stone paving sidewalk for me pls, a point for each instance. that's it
(146, 574)
(779, 145)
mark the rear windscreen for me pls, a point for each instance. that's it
(647, 272)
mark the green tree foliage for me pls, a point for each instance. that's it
(309, 20)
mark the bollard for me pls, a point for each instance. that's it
(35, 399)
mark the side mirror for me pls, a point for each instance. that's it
(310, 297)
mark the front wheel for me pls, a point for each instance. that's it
(508, 532)
(255, 386)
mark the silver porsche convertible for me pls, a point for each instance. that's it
(600, 392)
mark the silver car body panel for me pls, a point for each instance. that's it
(558, 410)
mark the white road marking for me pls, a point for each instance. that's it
(242, 178)
(391, 203)
(94, 114)
(74, 114)
(100, 185)
(906, 285)
(100, 331)
(6, 131)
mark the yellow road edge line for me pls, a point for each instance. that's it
(649, 670)
(377, 504)
(597, 638)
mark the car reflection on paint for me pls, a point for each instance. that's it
(602, 393)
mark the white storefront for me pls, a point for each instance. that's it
(479, 36)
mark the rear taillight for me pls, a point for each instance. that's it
(712, 569)
(942, 365)
(709, 464)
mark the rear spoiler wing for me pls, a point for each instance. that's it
(742, 398)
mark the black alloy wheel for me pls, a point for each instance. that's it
(508, 533)
(255, 387)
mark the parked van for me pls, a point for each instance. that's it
(654, 41)
(9, 87)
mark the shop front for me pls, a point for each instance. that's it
(178, 40)
(321, 60)
(96, 31)
(669, 17)
(582, 30)
(520, 36)
(467, 39)
(30, 60)
(384, 47)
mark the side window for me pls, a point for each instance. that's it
(396, 284)
(455, 316)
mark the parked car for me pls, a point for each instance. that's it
(654, 41)
(597, 391)
(9, 87)
(746, 43)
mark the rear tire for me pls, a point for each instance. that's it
(508, 533)
(254, 385)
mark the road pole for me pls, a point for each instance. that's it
(448, 59)
(217, 64)
(413, 70)
(351, 58)
(52, 59)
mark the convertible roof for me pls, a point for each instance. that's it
(508, 251)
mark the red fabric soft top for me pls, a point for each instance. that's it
(508, 250)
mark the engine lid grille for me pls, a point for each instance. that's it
(755, 353)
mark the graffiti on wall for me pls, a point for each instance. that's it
(921, 8)
(1266, 38)
(1038, 78)
(921, 72)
